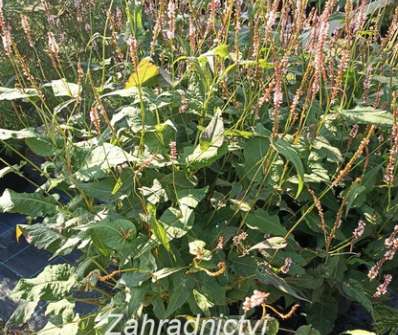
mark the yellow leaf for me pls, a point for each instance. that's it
(18, 233)
(146, 70)
(118, 186)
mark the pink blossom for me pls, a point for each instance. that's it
(383, 287)
(258, 298)
(359, 230)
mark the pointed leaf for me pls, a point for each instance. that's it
(6, 134)
(32, 204)
(52, 284)
(181, 290)
(274, 243)
(368, 115)
(102, 159)
(265, 223)
(286, 149)
(62, 88)
(355, 290)
(16, 93)
(22, 313)
(272, 279)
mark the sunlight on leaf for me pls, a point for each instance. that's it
(146, 70)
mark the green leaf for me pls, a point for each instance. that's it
(43, 236)
(240, 205)
(373, 6)
(178, 222)
(158, 229)
(62, 311)
(100, 160)
(355, 290)
(10, 169)
(270, 278)
(393, 81)
(323, 146)
(203, 303)
(368, 115)
(254, 151)
(286, 149)
(22, 313)
(62, 88)
(116, 234)
(130, 117)
(386, 319)
(181, 290)
(212, 289)
(221, 51)
(307, 330)
(52, 284)
(137, 299)
(197, 248)
(165, 272)
(118, 185)
(265, 223)
(6, 134)
(154, 194)
(247, 265)
(353, 193)
(32, 204)
(272, 326)
(146, 71)
(100, 189)
(53, 329)
(213, 135)
(191, 197)
(239, 133)
(17, 93)
(211, 145)
(40, 146)
(134, 279)
(323, 315)
(274, 243)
